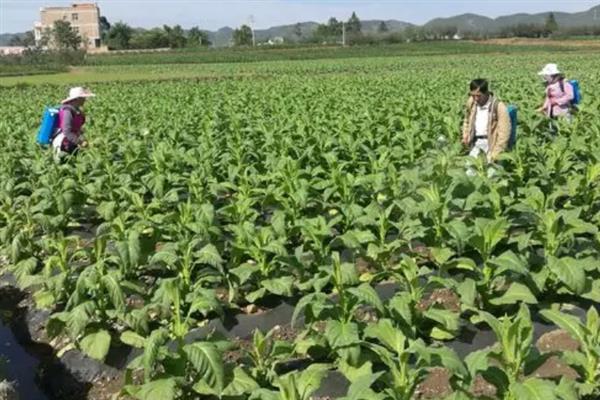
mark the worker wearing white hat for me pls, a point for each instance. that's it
(559, 93)
(71, 118)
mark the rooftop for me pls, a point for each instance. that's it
(75, 5)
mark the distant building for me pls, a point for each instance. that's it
(84, 19)
(276, 40)
(12, 50)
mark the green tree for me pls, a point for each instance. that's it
(175, 36)
(334, 27)
(331, 31)
(298, 30)
(242, 36)
(64, 37)
(119, 36)
(152, 39)
(25, 40)
(551, 25)
(197, 37)
(383, 28)
(353, 26)
(104, 28)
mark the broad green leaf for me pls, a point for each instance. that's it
(349, 274)
(115, 293)
(367, 295)
(400, 306)
(384, 331)
(208, 363)
(253, 297)
(96, 344)
(134, 248)
(463, 263)
(441, 334)
(133, 339)
(161, 389)
(265, 394)
(241, 383)
(447, 358)
(310, 379)
(517, 292)
(244, 271)
(166, 257)
(533, 389)
(280, 286)
(151, 350)
(569, 272)
(106, 210)
(477, 361)
(449, 320)
(209, 255)
(575, 358)
(44, 299)
(492, 322)
(441, 254)
(360, 388)
(354, 239)
(467, 290)
(592, 320)
(569, 323)
(592, 290)
(79, 317)
(509, 262)
(341, 334)
(352, 373)
(205, 302)
(566, 390)
(316, 302)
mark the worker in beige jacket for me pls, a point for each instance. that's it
(486, 128)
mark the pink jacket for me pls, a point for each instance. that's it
(70, 122)
(558, 98)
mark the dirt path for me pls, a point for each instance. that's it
(594, 43)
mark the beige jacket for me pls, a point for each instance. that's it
(498, 128)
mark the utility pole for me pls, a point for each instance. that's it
(251, 22)
(343, 34)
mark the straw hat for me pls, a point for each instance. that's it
(78, 93)
(549, 69)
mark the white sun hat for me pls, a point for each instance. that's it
(77, 93)
(549, 69)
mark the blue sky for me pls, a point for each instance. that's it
(19, 15)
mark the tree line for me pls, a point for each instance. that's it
(121, 36)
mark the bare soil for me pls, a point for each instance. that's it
(253, 309)
(106, 389)
(554, 367)
(446, 298)
(436, 385)
(364, 266)
(482, 388)
(285, 333)
(367, 315)
(238, 352)
(557, 340)
(544, 42)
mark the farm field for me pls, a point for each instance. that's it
(324, 202)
